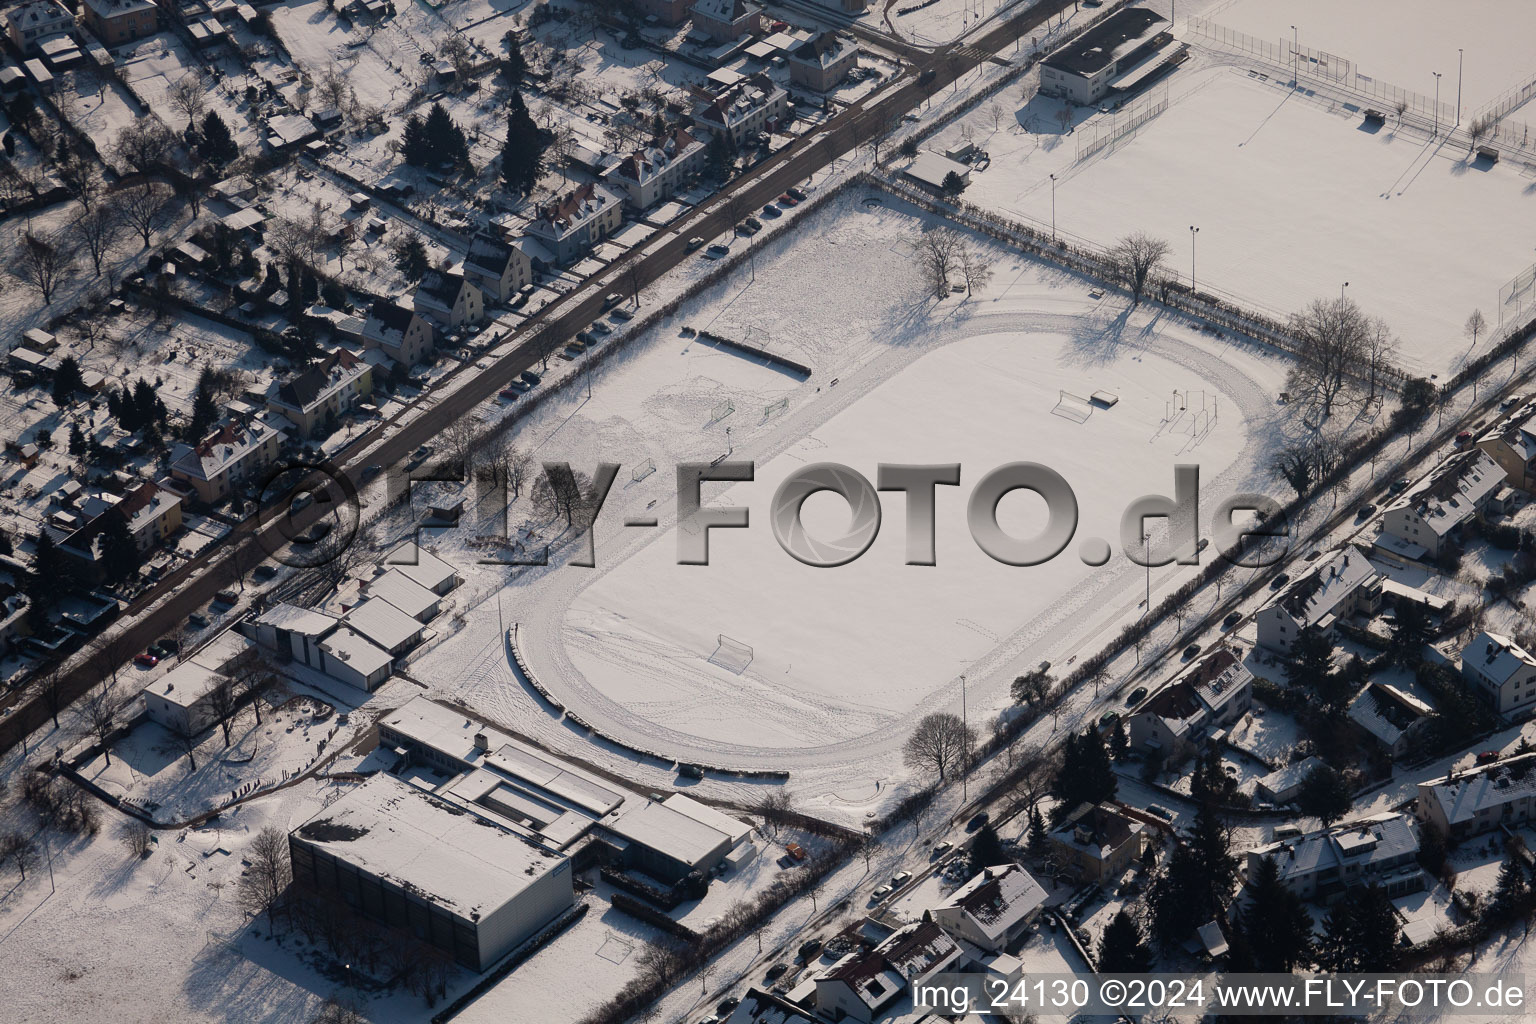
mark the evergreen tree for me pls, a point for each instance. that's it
(205, 408)
(1275, 924)
(522, 156)
(1119, 742)
(1311, 660)
(1179, 899)
(1359, 934)
(1324, 794)
(410, 257)
(514, 65)
(49, 578)
(444, 140)
(217, 144)
(1038, 840)
(1122, 949)
(1512, 894)
(720, 154)
(119, 554)
(147, 407)
(77, 442)
(67, 380)
(1086, 774)
(414, 145)
(987, 849)
(1212, 849)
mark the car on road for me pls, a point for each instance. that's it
(769, 210)
(1464, 437)
(369, 472)
(1511, 401)
(300, 503)
(315, 534)
(694, 243)
(262, 573)
(612, 299)
(1136, 695)
(926, 76)
(714, 252)
(728, 1004)
(940, 849)
(776, 972)
(978, 821)
(1279, 581)
(1232, 619)
(1191, 651)
(421, 453)
(146, 660)
(796, 193)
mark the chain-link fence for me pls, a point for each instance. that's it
(1104, 130)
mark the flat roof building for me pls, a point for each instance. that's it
(1083, 70)
(412, 861)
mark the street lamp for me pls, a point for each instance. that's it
(1437, 103)
(1053, 208)
(1341, 290)
(1458, 86)
(1193, 231)
(1295, 57)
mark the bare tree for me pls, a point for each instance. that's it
(134, 835)
(940, 742)
(97, 230)
(145, 143)
(224, 702)
(253, 677)
(774, 808)
(1334, 342)
(20, 850)
(186, 739)
(938, 254)
(459, 439)
(333, 90)
(1476, 324)
(1305, 463)
(42, 261)
(297, 242)
(557, 494)
(189, 96)
(51, 686)
(975, 268)
(1137, 257)
(143, 208)
(516, 466)
(269, 873)
(101, 709)
(79, 176)
(1381, 352)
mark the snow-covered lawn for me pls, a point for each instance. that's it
(1293, 198)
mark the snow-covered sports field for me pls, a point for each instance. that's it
(1293, 197)
(842, 659)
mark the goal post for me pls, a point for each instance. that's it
(772, 409)
(643, 470)
(731, 655)
(722, 410)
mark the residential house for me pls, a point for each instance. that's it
(1435, 517)
(759, 1007)
(449, 298)
(1097, 842)
(1283, 786)
(1501, 672)
(570, 227)
(497, 268)
(993, 909)
(1512, 445)
(740, 111)
(1471, 802)
(1390, 716)
(726, 21)
(1083, 70)
(1180, 717)
(864, 985)
(1333, 589)
(823, 63)
(402, 334)
(30, 24)
(152, 514)
(120, 21)
(658, 169)
(314, 400)
(229, 457)
(1323, 866)
(458, 880)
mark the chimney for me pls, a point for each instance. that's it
(481, 743)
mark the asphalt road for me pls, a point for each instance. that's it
(196, 582)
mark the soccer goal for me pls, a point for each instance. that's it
(1073, 407)
(721, 411)
(731, 655)
(772, 409)
(643, 470)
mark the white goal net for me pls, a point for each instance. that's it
(731, 655)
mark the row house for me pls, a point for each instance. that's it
(229, 457)
(1512, 445)
(570, 227)
(657, 170)
(742, 110)
(324, 392)
(1323, 866)
(449, 298)
(1464, 804)
(401, 334)
(499, 269)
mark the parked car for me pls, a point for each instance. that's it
(300, 503)
(421, 453)
(1464, 437)
(714, 252)
(612, 299)
(978, 821)
(1511, 401)
(1279, 581)
(508, 394)
(623, 316)
(530, 378)
(694, 243)
(940, 849)
(146, 660)
(1137, 695)
(776, 971)
(901, 878)
(369, 472)
(769, 210)
(197, 620)
(1232, 619)
(810, 949)
(726, 1005)
(795, 850)
(263, 573)
(881, 892)
(1108, 718)
(797, 193)
(226, 596)
(1399, 485)
(1368, 509)
(1191, 651)
(315, 534)
(169, 645)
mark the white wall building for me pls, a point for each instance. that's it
(1467, 803)
(1322, 866)
(1335, 588)
(1501, 672)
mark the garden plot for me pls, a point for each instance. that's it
(153, 67)
(1405, 41)
(382, 66)
(1292, 199)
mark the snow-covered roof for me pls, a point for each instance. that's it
(1282, 783)
(1362, 845)
(403, 592)
(1457, 494)
(932, 168)
(997, 899)
(420, 565)
(825, 51)
(1496, 657)
(1106, 43)
(725, 10)
(458, 860)
(706, 815)
(1462, 796)
(758, 1007)
(1386, 712)
(356, 651)
(383, 623)
(657, 827)
(1318, 594)
(303, 621)
(186, 684)
(223, 448)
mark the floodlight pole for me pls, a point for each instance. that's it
(1295, 57)
(1459, 57)
(1193, 231)
(1053, 208)
(965, 769)
(1437, 103)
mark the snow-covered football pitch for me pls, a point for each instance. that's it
(759, 660)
